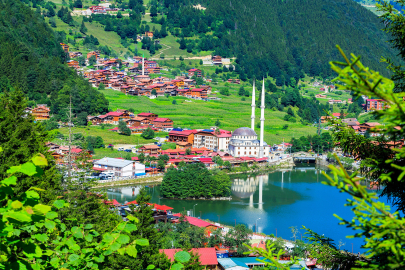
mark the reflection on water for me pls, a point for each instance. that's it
(276, 201)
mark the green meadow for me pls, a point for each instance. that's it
(231, 111)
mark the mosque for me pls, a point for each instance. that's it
(244, 142)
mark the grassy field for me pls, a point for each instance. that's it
(109, 137)
(231, 111)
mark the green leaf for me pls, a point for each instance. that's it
(41, 208)
(28, 168)
(177, 266)
(88, 226)
(123, 239)
(89, 238)
(99, 259)
(182, 256)
(77, 232)
(41, 237)
(51, 215)
(32, 194)
(12, 180)
(50, 225)
(14, 169)
(39, 160)
(74, 257)
(16, 204)
(130, 228)
(115, 246)
(59, 204)
(150, 267)
(19, 216)
(108, 238)
(142, 242)
(131, 251)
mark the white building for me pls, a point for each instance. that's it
(212, 139)
(121, 167)
(244, 141)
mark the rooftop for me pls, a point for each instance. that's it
(113, 162)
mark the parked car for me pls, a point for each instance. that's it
(120, 149)
(110, 146)
(128, 150)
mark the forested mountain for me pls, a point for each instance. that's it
(280, 38)
(32, 60)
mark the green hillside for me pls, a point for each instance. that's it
(32, 60)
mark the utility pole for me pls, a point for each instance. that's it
(70, 139)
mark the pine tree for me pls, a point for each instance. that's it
(183, 44)
(122, 127)
(21, 139)
(83, 28)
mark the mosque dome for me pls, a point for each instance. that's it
(244, 131)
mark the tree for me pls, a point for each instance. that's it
(154, 93)
(101, 86)
(188, 151)
(83, 28)
(78, 4)
(224, 91)
(92, 60)
(51, 124)
(41, 250)
(141, 157)
(241, 91)
(20, 140)
(148, 134)
(153, 11)
(183, 45)
(122, 127)
(194, 181)
(217, 123)
(174, 102)
(342, 114)
(237, 237)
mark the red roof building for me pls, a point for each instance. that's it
(207, 256)
(162, 123)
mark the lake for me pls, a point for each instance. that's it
(276, 200)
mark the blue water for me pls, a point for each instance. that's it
(290, 198)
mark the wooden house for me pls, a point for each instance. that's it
(150, 116)
(41, 112)
(150, 150)
(194, 72)
(65, 47)
(163, 123)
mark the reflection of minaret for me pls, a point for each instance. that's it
(143, 65)
(261, 192)
(261, 150)
(253, 106)
(282, 179)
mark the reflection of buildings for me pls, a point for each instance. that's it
(125, 191)
(244, 189)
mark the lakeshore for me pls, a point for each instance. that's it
(277, 200)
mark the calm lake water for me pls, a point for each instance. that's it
(280, 199)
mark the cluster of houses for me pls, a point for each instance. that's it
(137, 123)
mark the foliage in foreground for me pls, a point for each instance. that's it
(33, 237)
(382, 230)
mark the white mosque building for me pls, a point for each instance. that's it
(244, 142)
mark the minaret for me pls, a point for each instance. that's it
(143, 65)
(261, 150)
(253, 106)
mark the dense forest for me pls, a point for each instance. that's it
(32, 60)
(281, 39)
